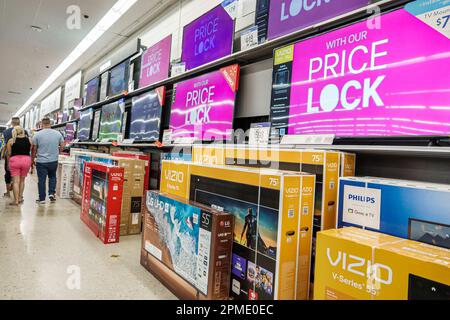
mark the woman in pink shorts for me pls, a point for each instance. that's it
(19, 148)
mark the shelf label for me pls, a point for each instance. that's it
(309, 139)
(249, 38)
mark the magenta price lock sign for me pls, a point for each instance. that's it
(203, 107)
(360, 81)
(155, 63)
(208, 38)
(288, 16)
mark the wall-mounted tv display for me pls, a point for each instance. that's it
(111, 121)
(146, 115)
(155, 63)
(360, 81)
(71, 129)
(96, 125)
(208, 38)
(118, 79)
(84, 125)
(203, 107)
(287, 16)
(92, 92)
(104, 80)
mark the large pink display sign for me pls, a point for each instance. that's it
(203, 107)
(363, 81)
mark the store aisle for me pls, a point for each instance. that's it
(42, 248)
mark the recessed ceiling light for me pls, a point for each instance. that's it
(111, 17)
(36, 28)
(4, 103)
(15, 92)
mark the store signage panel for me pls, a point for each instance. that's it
(72, 89)
(51, 103)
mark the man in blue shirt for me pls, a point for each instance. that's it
(7, 135)
(47, 144)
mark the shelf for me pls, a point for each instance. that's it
(63, 124)
(264, 50)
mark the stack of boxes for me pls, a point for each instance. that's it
(273, 213)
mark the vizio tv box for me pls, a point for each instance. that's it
(273, 213)
(356, 264)
(406, 209)
(191, 240)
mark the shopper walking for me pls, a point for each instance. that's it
(19, 159)
(47, 144)
(7, 135)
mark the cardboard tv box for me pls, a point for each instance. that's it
(80, 158)
(102, 200)
(273, 213)
(64, 187)
(328, 166)
(140, 156)
(406, 209)
(356, 264)
(133, 190)
(191, 240)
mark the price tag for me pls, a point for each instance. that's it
(128, 141)
(259, 134)
(309, 139)
(435, 13)
(167, 137)
(231, 7)
(249, 38)
(178, 68)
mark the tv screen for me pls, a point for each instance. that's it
(96, 125)
(146, 115)
(203, 107)
(155, 63)
(111, 121)
(359, 81)
(71, 129)
(208, 38)
(118, 79)
(104, 86)
(92, 92)
(84, 125)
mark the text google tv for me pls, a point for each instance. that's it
(363, 81)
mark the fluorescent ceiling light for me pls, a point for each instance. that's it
(102, 26)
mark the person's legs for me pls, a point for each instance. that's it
(41, 170)
(16, 189)
(21, 189)
(52, 168)
(8, 180)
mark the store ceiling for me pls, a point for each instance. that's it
(26, 53)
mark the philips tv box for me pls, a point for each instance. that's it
(356, 264)
(273, 213)
(191, 240)
(406, 209)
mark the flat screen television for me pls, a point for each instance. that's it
(104, 79)
(84, 125)
(155, 63)
(71, 129)
(118, 79)
(96, 125)
(358, 81)
(203, 107)
(208, 38)
(111, 121)
(92, 92)
(146, 115)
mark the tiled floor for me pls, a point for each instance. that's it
(46, 252)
